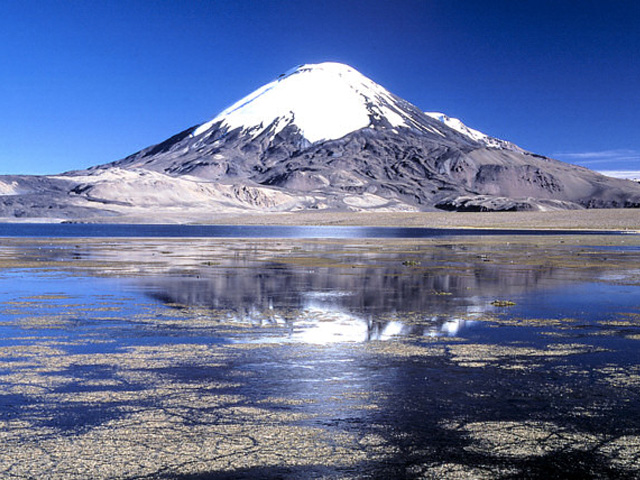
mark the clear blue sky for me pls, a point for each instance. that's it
(85, 82)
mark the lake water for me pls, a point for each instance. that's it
(446, 356)
(64, 230)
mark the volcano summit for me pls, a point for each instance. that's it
(319, 137)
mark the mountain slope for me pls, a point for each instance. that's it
(486, 140)
(321, 137)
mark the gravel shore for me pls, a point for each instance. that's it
(596, 219)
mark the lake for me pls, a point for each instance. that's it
(378, 355)
(89, 230)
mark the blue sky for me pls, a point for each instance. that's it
(85, 82)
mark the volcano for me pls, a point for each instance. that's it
(320, 137)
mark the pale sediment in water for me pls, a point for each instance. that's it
(160, 358)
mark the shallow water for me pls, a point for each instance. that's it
(219, 358)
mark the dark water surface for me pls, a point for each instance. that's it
(88, 230)
(448, 357)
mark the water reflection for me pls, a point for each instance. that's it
(90, 364)
(328, 293)
(323, 292)
(325, 324)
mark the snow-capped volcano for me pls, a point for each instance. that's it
(325, 102)
(319, 137)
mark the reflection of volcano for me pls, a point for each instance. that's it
(353, 290)
(363, 290)
(372, 297)
(327, 305)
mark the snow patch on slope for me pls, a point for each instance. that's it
(633, 175)
(11, 188)
(476, 135)
(325, 101)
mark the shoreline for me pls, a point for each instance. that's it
(606, 220)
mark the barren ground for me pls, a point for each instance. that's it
(597, 219)
(609, 219)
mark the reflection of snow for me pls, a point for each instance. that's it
(325, 295)
(321, 327)
(258, 318)
(391, 329)
(322, 323)
(449, 328)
